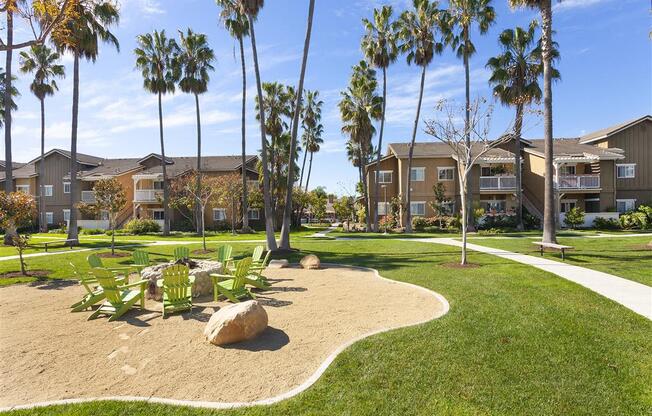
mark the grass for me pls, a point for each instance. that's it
(516, 341)
(628, 257)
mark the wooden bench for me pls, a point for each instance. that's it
(559, 247)
(71, 242)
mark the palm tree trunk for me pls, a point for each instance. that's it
(380, 150)
(166, 188)
(9, 180)
(467, 125)
(72, 227)
(309, 169)
(198, 208)
(365, 191)
(287, 211)
(245, 204)
(303, 167)
(269, 215)
(549, 191)
(408, 223)
(43, 223)
(518, 125)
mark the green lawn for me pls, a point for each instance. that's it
(516, 341)
(627, 257)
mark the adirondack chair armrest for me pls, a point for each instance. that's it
(142, 283)
(219, 276)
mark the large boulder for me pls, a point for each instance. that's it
(235, 323)
(310, 262)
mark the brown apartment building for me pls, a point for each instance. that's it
(604, 173)
(142, 179)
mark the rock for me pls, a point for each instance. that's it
(278, 264)
(235, 323)
(310, 262)
(203, 283)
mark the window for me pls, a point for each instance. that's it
(418, 174)
(104, 215)
(567, 170)
(22, 188)
(448, 207)
(158, 214)
(385, 176)
(158, 185)
(219, 214)
(624, 205)
(66, 215)
(592, 204)
(485, 171)
(253, 214)
(494, 205)
(49, 217)
(418, 208)
(567, 205)
(47, 190)
(627, 170)
(383, 208)
(66, 187)
(445, 174)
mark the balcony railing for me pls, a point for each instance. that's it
(147, 195)
(579, 181)
(497, 182)
(88, 197)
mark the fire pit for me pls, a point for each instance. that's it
(200, 269)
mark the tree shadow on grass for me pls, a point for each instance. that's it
(271, 339)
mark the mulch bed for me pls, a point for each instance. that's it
(459, 266)
(30, 273)
(116, 255)
(210, 250)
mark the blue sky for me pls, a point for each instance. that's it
(605, 66)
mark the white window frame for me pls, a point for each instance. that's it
(416, 176)
(490, 202)
(104, 215)
(566, 166)
(627, 175)
(413, 211)
(47, 188)
(381, 175)
(155, 181)
(383, 208)
(252, 211)
(567, 201)
(49, 218)
(156, 210)
(445, 169)
(66, 187)
(22, 188)
(217, 217)
(632, 201)
(66, 214)
(448, 206)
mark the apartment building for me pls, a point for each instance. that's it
(142, 179)
(604, 173)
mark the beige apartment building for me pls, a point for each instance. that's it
(604, 173)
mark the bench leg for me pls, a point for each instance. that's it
(562, 254)
(541, 250)
(46, 248)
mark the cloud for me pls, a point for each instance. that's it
(576, 4)
(147, 7)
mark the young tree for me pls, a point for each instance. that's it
(110, 196)
(440, 199)
(344, 209)
(574, 217)
(42, 61)
(417, 30)
(446, 128)
(17, 209)
(228, 192)
(318, 204)
(155, 58)
(380, 48)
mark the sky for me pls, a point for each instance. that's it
(606, 69)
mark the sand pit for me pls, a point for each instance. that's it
(48, 353)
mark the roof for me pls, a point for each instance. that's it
(182, 165)
(112, 167)
(15, 165)
(606, 132)
(572, 148)
(430, 150)
(81, 157)
(26, 171)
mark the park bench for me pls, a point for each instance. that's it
(553, 246)
(71, 242)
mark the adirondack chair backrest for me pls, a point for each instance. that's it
(176, 282)
(109, 284)
(94, 261)
(257, 254)
(181, 253)
(266, 259)
(224, 253)
(141, 258)
(84, 279)
(241, 271)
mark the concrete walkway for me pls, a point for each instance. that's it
(323, 233)
(633, 295)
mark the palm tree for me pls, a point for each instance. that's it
(287, 213)
(311, 118)
(380, 49)
(9, 233)
(155, 57)
(42, 61)
(14, 93)
(547, 55)
(8, 104)
(238, 26)
(313, 145)
(417, 33)
(359, 107)
(194, 62)
(461, 15)
(81, 36)
(515, 76)
(251, 8)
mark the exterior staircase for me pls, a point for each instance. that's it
(530, 206)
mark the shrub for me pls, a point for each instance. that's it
(142, 226)
(574, 217)
(530, 222)
(495, 222)
(634, 219)
(606, 223)
(91, 231)
(57, 231)
(419, 223)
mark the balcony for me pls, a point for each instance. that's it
(148, 195)
(579, 182)
(88, 197)
(497, 183)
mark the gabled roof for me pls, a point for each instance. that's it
(112, 167)
(181, 165)
(15, 165)
(155, 156)
(606, 132)
(435, 150)
(572, 148)
(81, 157)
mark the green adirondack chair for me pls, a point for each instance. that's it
(255, 277)
(177, 289)
(224, 256)
(181, 253)
(257, 255)
(119, 297)
(141, 260)
(95, 261)
(233, 286)
(93, 294)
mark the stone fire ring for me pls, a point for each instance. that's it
(201, 271)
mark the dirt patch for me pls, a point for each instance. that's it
(202, 251)
(311, 313)
(30, 273)
(460, 266)
(117, 254)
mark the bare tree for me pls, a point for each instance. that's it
(449, 127)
